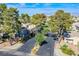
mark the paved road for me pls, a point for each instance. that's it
(47, 49)
(25, 50)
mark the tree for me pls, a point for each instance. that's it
(39, 38)
(53, 24)
(25, 18)
(11, 23)
(37, 19)
(44, 27)
(40, 21)
(65, 19)
(3, 7)
(60, 22)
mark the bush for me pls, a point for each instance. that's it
(67, 50)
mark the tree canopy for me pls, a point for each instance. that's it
(37, 19)
(10, 20)
(60, 21)
(25, 18)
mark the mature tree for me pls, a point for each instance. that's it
(65, 21)
(44, 27)
(3, 7)
(11, 23)
(53, 24)
(60, 22)
(25, 18)
(37, 19)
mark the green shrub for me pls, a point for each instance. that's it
(67, 50)
(39, 38)
(64, 46)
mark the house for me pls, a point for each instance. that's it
(31, 27)
(75, 26)
(75, 18)
(28, 26)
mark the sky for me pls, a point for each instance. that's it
(46, 8)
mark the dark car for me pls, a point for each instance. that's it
(24, 33)
(5, 36)
(50, 34)
(66, 34)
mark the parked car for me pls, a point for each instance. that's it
(66, 34)
(50, 34)
(24, 33)
(5, 36)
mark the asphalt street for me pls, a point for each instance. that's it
(47, 49)
(25, 50)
